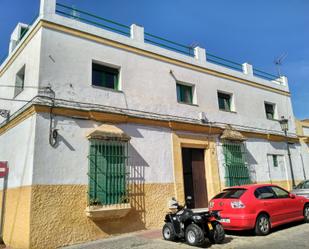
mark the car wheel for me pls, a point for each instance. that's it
(168, 232)
(217, 235)
(262, 225)
(306, 213)
(194, 235)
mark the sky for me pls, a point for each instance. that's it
(255, 31)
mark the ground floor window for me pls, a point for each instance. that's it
(276, 168)
(107, 172)
(236, 170)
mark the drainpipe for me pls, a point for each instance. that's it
(290, 160)
(304, 171)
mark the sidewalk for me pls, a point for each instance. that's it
(288, 236)
(150, 239)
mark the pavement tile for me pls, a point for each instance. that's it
(150, 234)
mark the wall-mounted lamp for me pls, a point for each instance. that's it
(5, 114)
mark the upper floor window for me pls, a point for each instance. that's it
(19, 81)
(270, 110)
(184, 93)
(225, 101)
(105, 76)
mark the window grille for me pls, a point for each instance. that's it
(236, 170)
(108, 172)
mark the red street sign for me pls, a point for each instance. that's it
(4, 169)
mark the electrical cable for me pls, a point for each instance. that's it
(140, 112)
(35, 87)
(16, 100)
(165, 115)
(53, 133)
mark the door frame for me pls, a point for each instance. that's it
(197, 141)
(283, 182)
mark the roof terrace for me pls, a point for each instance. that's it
(137, 33)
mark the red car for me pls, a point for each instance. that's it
(259, 207)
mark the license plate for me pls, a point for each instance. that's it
(225, 220)
(210, 226)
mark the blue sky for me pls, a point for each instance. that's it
(253, 31)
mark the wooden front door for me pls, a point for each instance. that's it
(194, 176)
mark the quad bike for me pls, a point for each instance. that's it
(192, 225)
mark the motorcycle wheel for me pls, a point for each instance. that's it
(168, 232)
(217, 235)
(194, 235)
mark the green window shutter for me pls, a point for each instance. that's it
(224, 101)
(275, 160)
(107, 173)
(236, 172)
(92, 172)
(105, 76)
(270, 112)
(221, 103)
(184, 94)
(178, 93)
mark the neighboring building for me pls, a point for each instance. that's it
(105, 127)
(302, 131)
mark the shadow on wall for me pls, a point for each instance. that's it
(136, 181)
(65, 124)
(16, 213)
(251, 164)
(136, 219)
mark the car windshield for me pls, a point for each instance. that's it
(299, 186)
(233, 193)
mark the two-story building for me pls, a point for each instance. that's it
(107, 122)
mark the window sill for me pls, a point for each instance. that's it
(108, 211)
(228, 111)
(184, 103)
(273, 119)
(107, 88)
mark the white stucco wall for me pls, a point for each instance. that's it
(257, 152)
(304, 155)
(17, 147)
(30, 57)
(149, 151)
(147, 84)
(64, 62)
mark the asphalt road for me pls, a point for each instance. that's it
(294, 236)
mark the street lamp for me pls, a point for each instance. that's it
(284, 123)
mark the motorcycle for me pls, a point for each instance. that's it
(193, 225)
